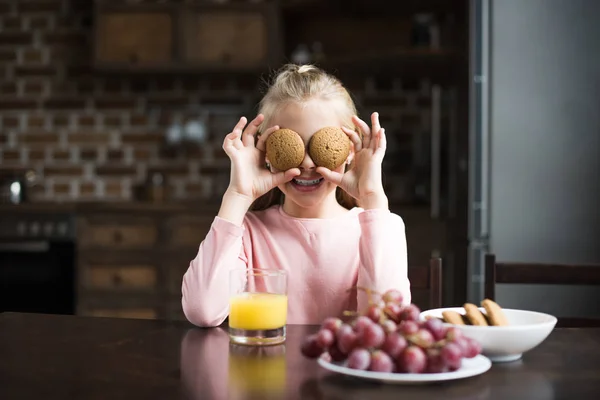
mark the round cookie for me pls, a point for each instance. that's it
(285, 149)
(329, 147)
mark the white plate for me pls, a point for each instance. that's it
(470, 367)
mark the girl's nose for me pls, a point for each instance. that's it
(307, 162)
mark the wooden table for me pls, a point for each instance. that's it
(63, 357)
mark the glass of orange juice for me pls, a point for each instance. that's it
(257, 306)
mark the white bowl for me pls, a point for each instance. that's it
(526, 330)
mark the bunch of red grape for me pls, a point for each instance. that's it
(388, 337)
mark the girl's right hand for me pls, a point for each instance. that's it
(249, 177)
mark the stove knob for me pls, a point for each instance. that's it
(35, 228)
(62, 228)
(48, 228)
(21, 228)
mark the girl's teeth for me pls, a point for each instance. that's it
(307, 183)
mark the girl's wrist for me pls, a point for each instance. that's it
(374, 201)
(234, 207)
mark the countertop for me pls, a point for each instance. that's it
(168, 206)
(110, 206)
(67, 357)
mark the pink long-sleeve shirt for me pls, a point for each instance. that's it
(324, 258)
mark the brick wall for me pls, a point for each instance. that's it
(91, 137)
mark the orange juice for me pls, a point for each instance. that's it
(257, 311)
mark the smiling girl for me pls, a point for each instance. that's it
(330, 230)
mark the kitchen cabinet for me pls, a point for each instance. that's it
(136, 38)
(227, 38)
(130, 263)
(186, 37)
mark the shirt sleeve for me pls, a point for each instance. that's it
(205, 288)
(383, 255)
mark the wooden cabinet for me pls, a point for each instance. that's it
(131, 263)
(186, 36)
(103, 270)
(226, 38)
(116, 231)
(187, 230)
(142, 39)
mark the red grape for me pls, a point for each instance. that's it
(333, 324)
(310, 348)
(346, 338)
(453, 333)
(393, 296)
(423, 338)
(389, 337)
(408, 328)
(389, 326)
(436, 327)
(451, 354)
(410, 313)
(325, 338)
(473, 348)
(361, 323)
(375, 313)
(435, 363)
(462, 344)
(359, 359)
(381, 362)
(336, 354)
(372, 336)
(394, 344)
(412, 360)
(393, 311)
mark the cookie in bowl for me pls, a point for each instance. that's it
(504, 334)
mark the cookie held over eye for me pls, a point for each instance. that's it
(285, 149)
(329, 147)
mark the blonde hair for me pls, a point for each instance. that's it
(299, 84)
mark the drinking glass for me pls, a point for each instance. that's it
(257, 306)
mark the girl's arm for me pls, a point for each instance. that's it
(205, 287)
(383, 255)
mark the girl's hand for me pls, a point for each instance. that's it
(249, 178)
(363, 181)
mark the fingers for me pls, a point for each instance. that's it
(280, 178)
(375, 127)
(260, 144)
(233, 139)
(248, 135)
(381, 144)
(370, 135)
(353, 135)
(329, 175)
(364, 128)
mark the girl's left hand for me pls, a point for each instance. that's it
(363, 181)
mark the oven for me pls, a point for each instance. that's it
(37, 263)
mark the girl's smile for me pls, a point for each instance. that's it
(307, 185)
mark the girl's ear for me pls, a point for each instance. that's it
(268, 164)
(352, 152)
(349, 158)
